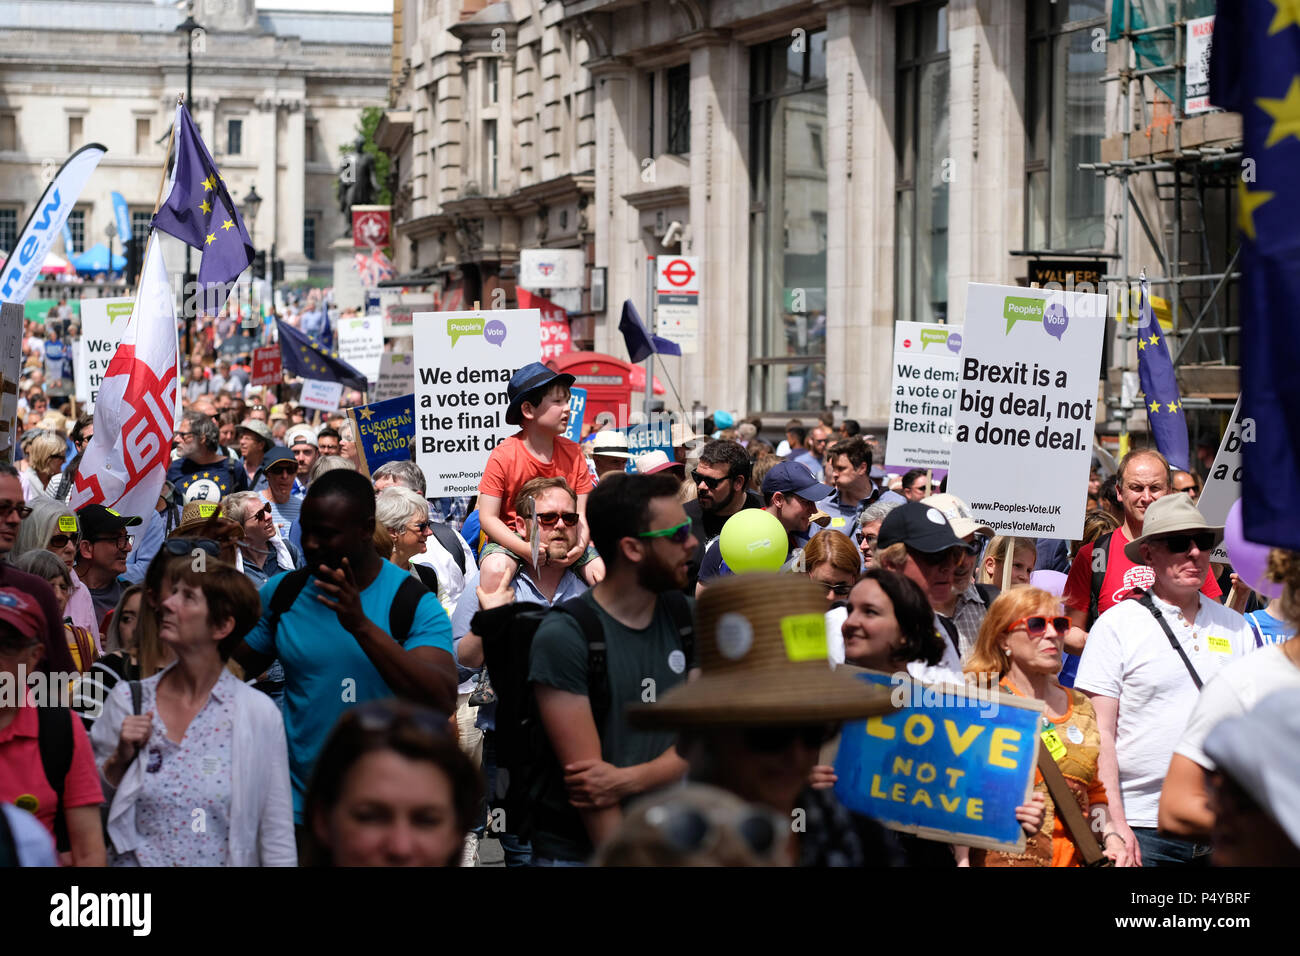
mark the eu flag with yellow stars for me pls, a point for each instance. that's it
(1255, 71)
(198, 211)
(1160, 387)
(301, 356)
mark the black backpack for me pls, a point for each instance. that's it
(1100, 556)
(400, 616)
(55, 741)
(523, 749)
(450, 540)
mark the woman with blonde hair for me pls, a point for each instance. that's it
(46, 454)
(1020, 646)
(1024, 553)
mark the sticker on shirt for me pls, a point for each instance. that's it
(1052, 741)
(838, 522)
(211, 763)
(677, 662)
(735, 636)
(155, 761)
(1074, 733)
(1138, 576)
(28, 802)
(1220, 645)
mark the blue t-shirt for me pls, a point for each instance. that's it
(1266, 629)
(325, 669)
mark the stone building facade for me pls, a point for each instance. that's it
(276, 96)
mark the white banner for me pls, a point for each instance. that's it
(126, 461)
(103, 323)
(361, 344)
(1196, 83)
(396, 376)
(45, 224)
(11, 360)
(1223, 487)
(1027, 407)
(463, 364)
(924, 395)
(551, 268)
(320, 394)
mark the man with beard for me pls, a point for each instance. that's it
(640, 530)
(336, 638)
(200, 472)
(721, 482)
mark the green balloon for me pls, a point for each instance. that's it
(753, 540)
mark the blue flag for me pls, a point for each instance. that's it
(386, 430)
(1255, 71)
(198, 211)
(307, 359)
(1160, 387)
(640, 343)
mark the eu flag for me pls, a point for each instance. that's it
(306, 359)
(198, 211)
(640, 343)
(1160, 387)
(1255, 71)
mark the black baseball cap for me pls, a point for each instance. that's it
(276, 455)
(791, 477)
(98, 521)
(921, 528)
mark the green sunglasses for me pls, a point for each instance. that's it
(677, 534)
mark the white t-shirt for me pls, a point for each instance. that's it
(1241, 686)
(947, 671)
(1128, 657)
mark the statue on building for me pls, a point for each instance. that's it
(356, 185)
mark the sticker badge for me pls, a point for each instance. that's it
(677, 662)
(805, 637)
(1220, 645)
(1074, 733)
(67, 524)
(735, 636)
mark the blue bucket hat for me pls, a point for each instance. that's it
(531, 377)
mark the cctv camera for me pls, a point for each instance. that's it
(673, 235)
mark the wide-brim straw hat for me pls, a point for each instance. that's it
(1170, 514)
(760, 641)
(197, 516)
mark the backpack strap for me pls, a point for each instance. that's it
(1255, 629)
(988, 593)
(286, 592)
(8, 845)
(427, 575)
(449, 539)
(1100, 556)
(1146, 602)
(55, 741)
(135, 697)
(680, 610)
(405, 603)
(1067, 809)
(597, 659)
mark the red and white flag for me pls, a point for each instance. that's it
(126, 461)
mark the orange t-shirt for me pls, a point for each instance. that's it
(511, 464)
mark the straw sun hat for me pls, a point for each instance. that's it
(761, 644)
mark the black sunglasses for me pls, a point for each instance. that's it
(1182, 543)
(548, 518)
(61, 540)
(689, 831)
(712, 483)
(180, 546)
(775, 740)
(839, 590)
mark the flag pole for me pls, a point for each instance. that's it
(650, 322)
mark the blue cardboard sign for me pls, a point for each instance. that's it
(656, 436)
(948, 765)
(577, 409)
(385, 430)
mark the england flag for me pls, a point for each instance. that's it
(126, 461)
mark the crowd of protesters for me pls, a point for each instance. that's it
(294, 661)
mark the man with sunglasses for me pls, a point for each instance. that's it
(721, 489)
(101, 554)
(281, 471)
(1143, 666)
(790, 494)
(640, 530)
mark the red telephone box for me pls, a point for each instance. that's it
(609, 382)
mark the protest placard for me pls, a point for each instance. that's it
(396, 376)
(385, 430)
(361, 345)
(577, 410)
(11, 360)
(322, 395)
(657, 435)
(266, 366)
(1223, 486)
(397, 309)
(103, 323)
(951, 764)
(1027, 406)
(924, 393)
(464, 361)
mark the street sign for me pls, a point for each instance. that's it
(677, 309)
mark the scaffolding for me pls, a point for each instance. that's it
(1186, 168)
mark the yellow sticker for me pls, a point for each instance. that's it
(1220, 645)
(28, 802)
(207, 509)
(838, 522)
(1052, 741)
(67, 524)
(805, 637)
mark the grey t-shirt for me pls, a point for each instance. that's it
(559, 659)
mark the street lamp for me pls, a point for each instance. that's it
(111, 231)
(252, 203)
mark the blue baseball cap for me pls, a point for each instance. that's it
(791, 477)
(532, 376)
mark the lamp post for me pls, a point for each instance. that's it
(252, 203)
(189, 27)
(111, 231)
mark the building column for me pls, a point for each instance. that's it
(861, 172)
(295, 184)
(616, 222)
(268, 168)
(718, 374)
